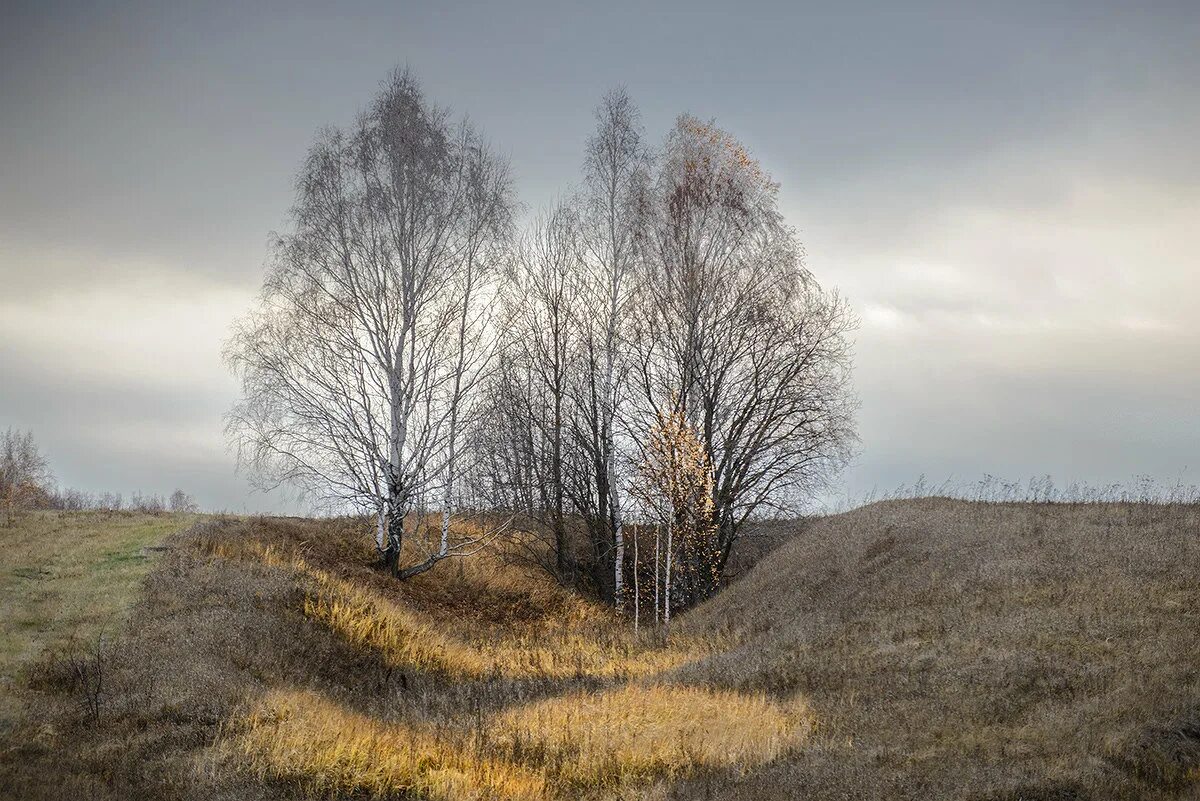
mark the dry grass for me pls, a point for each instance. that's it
(907, 650)
(998, 651)
(638, 732)
(327, 750)
(515, 626)
(364, 618)
(67, 576)
(554, 747)
(386, 627)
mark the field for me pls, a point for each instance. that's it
(909, 649)
(66, 578)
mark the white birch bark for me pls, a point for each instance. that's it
(614, 499)
(667, 584)
(657, 531)
(636, 594)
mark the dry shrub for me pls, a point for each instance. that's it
(299, 737)
(74, 669)
(637, 732)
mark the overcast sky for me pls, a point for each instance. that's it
(1009, 198)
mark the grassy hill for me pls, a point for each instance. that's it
(961, 650)
(917, 649)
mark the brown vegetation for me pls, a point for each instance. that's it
(915, 649)
(975, 650)
(270, 658)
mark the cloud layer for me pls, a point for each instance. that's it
(1008, 199)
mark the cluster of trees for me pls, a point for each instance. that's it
(414, 355)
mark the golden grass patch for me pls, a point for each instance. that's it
(300, 737)
(566, 650)
(366, 620)
(586, 740)
(638, 732)
(577, 643)
(599, 741)
(363, 617)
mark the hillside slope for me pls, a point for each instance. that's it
(270, 659)
(961, 650)
(908, 650)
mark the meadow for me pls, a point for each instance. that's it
(66, 579)
(914, 649)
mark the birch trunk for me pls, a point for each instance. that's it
(610, 457)
(448, 498)
(397, 501)
(636, 594)
(657, 557)
(667, 585)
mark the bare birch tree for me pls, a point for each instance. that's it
(733, 332)
(182, 503)
(360, 359)
(616, 171)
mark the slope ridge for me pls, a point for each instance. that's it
(958, 649)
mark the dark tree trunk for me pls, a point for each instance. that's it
(600, 568)
(395, 529)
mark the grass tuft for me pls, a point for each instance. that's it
(366, 620)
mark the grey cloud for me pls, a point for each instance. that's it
(1006, 195)
(128, 436)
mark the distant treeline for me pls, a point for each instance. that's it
(1141, 489)
(73, 500)
(27, 483)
